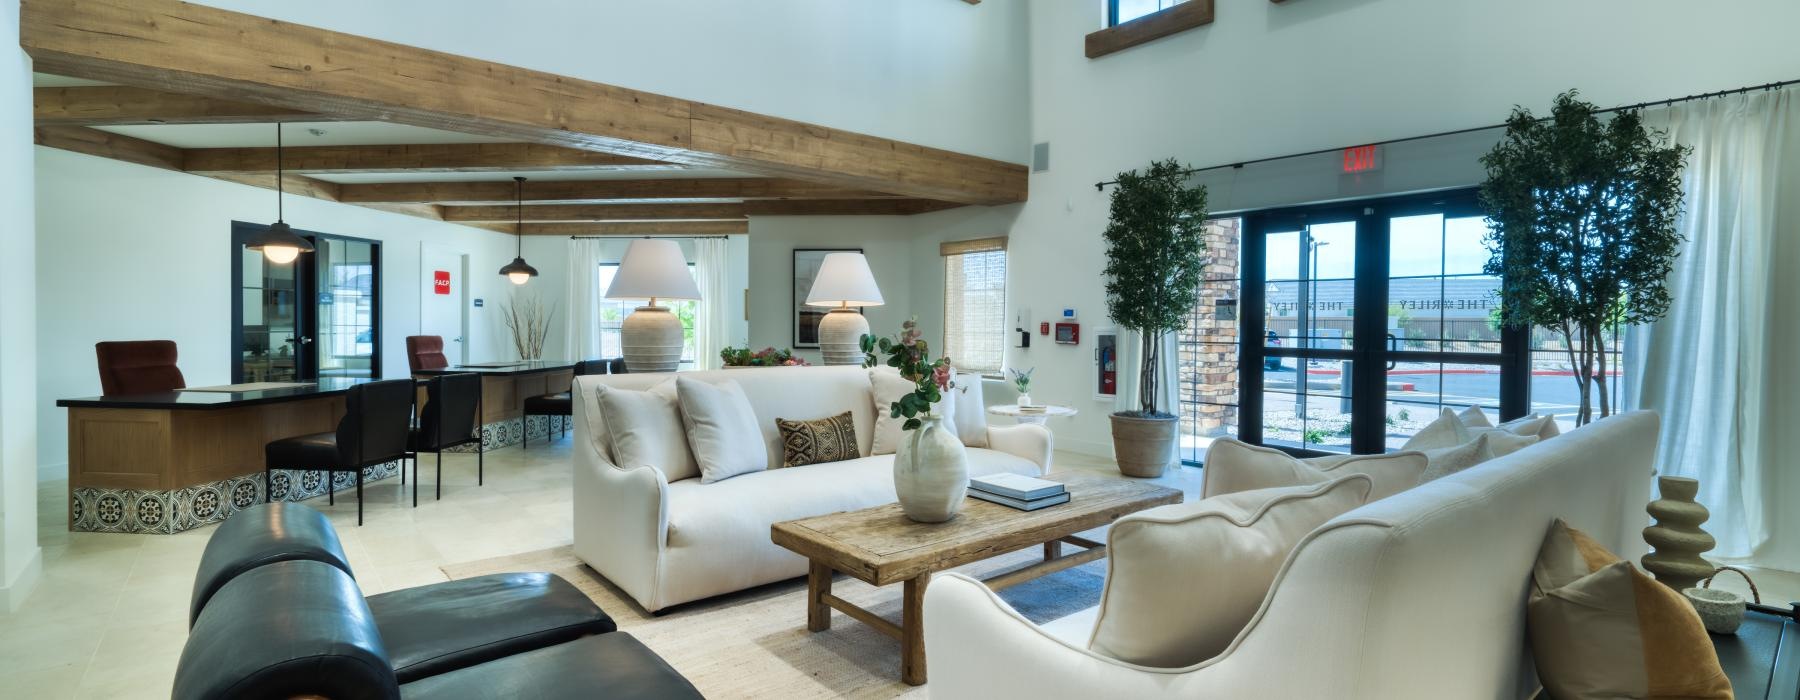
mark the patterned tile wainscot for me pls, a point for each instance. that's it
(169, 512)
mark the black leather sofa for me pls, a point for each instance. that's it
(276, 612)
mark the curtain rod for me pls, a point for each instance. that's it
(1101, 186)
(633, 235)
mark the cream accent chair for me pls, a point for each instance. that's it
(670, 543)
(1418, 595)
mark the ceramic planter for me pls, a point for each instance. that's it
(931, 473)
(1142, 445)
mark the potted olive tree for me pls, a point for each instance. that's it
(1582, 229)
(1154, 264)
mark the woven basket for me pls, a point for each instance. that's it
(1721, 611)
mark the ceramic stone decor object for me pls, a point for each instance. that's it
(931, 472)
(1676, 538)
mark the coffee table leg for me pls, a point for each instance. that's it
(818, 585)
(1052, 549)
(912, 631)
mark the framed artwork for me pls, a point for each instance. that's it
(806, 318)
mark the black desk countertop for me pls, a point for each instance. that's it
(504, 369)
(327, 386)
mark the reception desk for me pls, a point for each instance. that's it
(172, 461)
(504, 388)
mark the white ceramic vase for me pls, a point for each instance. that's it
(931, 473)
(1024, 399)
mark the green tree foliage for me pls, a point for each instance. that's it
(1582, 228)
(1155, 251)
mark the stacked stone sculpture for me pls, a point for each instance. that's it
(1676, 538)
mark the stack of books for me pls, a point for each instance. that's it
(1021, 492)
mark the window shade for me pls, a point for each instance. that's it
(975, 307)
(978, 245)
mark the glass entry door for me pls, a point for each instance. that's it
(317, 316)
(1362, 322)
(268, 320)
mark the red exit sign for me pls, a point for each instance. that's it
(440, 281)
(1362, 159)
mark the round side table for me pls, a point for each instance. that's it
(1031, 418)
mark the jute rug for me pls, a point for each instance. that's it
(754, 644)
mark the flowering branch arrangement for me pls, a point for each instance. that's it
(766, 357)
(1022, 380)
(907, 351)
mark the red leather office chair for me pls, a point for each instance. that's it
(425, 352)
(138, 367)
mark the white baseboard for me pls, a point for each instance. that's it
(14, 593)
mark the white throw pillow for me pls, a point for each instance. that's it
(887, 386)
(1447, 431)
(971, 410)
(645, 428)
(1473, 417)
(721, 429)
(1184, 579)
(1544, 427)
(1445, 461)
(1234, 466)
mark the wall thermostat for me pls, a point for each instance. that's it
(1068, 314)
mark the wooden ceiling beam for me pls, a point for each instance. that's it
(627, 228)
(228, 55)
(596, 212)
(110, 105)
(596, 191)
(846, 207)
(425, 158)
(106, 144)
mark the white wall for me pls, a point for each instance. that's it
(127, 252)
(939, 73)
(20, 560)
(1269, 79)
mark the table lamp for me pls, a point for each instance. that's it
(844, 282)
(651, 336)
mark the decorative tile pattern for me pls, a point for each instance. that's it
(511, 432)
(168, 512)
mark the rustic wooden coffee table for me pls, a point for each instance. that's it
(880, 546)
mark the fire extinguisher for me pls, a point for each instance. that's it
(1109, 372)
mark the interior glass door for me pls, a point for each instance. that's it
(319, 315)
(345, 277)
(270, 318)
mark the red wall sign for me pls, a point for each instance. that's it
(440, 281)
(1362, 159)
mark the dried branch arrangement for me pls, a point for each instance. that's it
(529, 320)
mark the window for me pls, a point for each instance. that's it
(1121, 11)
(975, 304)
(613, 312)
(1133, 22)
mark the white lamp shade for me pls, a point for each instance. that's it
(653, 269)
(844, 280)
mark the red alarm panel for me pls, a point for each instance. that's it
(1068, 333)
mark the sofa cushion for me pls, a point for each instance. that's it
(1599, 628)
(1445, 461)
(1184, 579)
(721, 429)
(260, 535)
(970, 417)
(1544, 427)
(1447, 431)
(1233, 466)
(613, 666)
(441, 627)
(645, 428)
(1474, 417)
(806, 442)
(886, 386)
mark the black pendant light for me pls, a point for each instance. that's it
(278, 243)
(517, 271)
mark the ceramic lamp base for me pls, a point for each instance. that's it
(840, 336)
(651, 341)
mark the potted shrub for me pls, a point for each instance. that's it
(1582, 229)
(1154, 265)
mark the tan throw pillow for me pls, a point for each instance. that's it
(645, 428)
(1447, 431)
(1488, 445)
(1600, 628)
(1184, 579)
(806, 442)
(721, 429)
(1233, 466)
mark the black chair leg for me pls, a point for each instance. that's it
(330, 490)
(268, 485)
(440, 475)
(480, 462)
(359, 498)
(415, 461)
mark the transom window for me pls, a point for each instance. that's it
(1121, 11)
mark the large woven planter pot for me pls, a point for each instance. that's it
(1142, 445)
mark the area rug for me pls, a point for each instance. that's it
(754, 644)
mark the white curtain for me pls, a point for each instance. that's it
(581, 336)
(1130, 347)
(1721, 366)
(712, 320)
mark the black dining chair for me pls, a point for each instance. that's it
(450, 417)
(377, 420)
(560, 404)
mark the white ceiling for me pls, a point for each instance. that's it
(533, 175)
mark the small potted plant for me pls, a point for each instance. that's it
(1022, 381)
(931, 470)
(737, 358)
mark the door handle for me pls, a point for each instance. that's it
(456, 340)
(1393, 346)
(304, 340)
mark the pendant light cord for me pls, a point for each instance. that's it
(519, 211)
(278, 173)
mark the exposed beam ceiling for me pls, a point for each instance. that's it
(845, 207)
(429, 157)
(597, 212)
(594, 191)
(626, 228)
(119, 104)
(227, 55)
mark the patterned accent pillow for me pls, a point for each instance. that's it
(814, 441)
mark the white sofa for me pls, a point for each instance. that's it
(670, 543)
(1418, 595)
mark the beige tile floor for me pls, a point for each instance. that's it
(109, 617)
